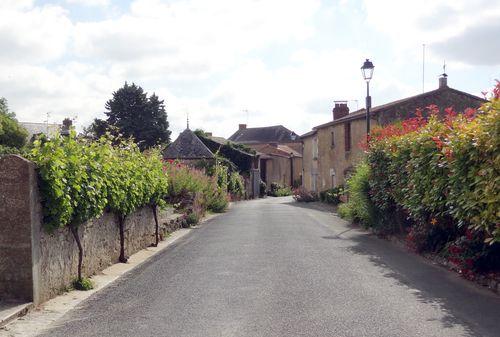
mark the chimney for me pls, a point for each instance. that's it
(340, 110)
(208, 134)
(242, 126)
(443, 81)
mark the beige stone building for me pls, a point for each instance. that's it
(331, 150)
(280, 151)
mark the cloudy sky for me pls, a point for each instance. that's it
(238, 61)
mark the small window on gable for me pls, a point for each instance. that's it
(347, 134)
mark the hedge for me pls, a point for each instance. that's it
(438, 179)
(443, 171)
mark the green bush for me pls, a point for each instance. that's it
(187, 183)
(359, 207)
(278, 190)
(218, 202)
(302, 195)
(332, 195)
(236, 186)
(83, 284)
(262, 189)
(443, 170)
(442, 176)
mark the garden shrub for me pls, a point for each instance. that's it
(442, 175)
(236, 186)
(332, 195)
(83, 284)
(262, 189)
(278, 190)
(445, 170)
(303, 195)
(186, 182)
(359, 207)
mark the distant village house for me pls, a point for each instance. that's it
(280, 152)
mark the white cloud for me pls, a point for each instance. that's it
(33, 35)
(89, 2)
(281, 60)
(16, 4)
(194, 36)
(438, 23)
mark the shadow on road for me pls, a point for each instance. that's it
(316, 205)
(434, 284)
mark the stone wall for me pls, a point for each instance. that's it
(19, 216)
(36, 265)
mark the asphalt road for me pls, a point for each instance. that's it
(277, 268)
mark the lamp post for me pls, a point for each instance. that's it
(367, 71)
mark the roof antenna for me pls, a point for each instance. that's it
(444, 69)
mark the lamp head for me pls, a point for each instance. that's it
(367, 70)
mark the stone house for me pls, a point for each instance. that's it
(191, 149)
(280, 151)
(331, 150)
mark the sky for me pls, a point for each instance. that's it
(226, 62)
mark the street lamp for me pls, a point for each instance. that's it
(367, 71)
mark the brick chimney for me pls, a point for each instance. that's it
(443, 81)
(208, 134)
(242, 126)
(340, 110)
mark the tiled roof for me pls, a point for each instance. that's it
(308, 134)
(187, 146)
(404, 108)
(279, 150)
(220, 140)
(268, 134)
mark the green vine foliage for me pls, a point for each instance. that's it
(79, 179)
(236, 185)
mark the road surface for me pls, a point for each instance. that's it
(274, 267)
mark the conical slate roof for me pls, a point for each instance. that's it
(187, 146)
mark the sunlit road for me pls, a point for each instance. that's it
(273, 267)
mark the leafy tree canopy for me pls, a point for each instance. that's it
(12, 134)
(133, 114)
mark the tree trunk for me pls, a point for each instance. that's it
(154, 208)
(121, 223)
(74, 231)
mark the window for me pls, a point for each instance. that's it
(347, 134)
(333, 139)
(333, 176)
(315, 148)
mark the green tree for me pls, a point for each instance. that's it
(136, 115)
(12, 134)
(97, 128)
